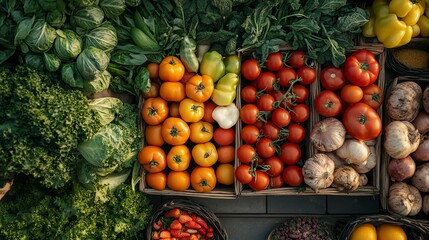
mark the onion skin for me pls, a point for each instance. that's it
(401, 169)
(421, 122)
(403, 103)
(404, 199)
(425, 99)
(422, 152)
(420, 180)
(354, 151)
(426, 204)
(371, 161)
(401, 138)
(328, 135)
(318, 171)
(346, 179)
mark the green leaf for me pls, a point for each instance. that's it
(353, 21)
(330, 6)
(142, 81)
(311, 5)
(125, 57)
(208, 38)
(224, 6)
(305, 25)
(5, 54)
(24, 28)
(135, 176)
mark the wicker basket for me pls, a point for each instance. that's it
(415, 229)
(384, 195)
(399, 68)
(373, 187)
(191, 207)
(243, 190)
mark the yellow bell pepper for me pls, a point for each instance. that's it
(368, 28)
(409, 11)
(416, 30)
(424, 26)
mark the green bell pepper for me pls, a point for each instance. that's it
(226, 90)
(232, 64)
(212, 65)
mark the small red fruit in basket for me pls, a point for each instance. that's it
(260, 182)
(307, 74)
(280, 117)
(293, 176)
(296, 59)
(285, 75)
(266, 81)
(351, 93)
(250, 69)
(332, 78)
(362, 68)
(174, 213)
(328, 103)
(248, 94)
(274, 61)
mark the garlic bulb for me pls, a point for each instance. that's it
(354, 151)
(338, 162)
(400, 139)
(318, 171)
(346, 179)
(371, 161)
(420, 179)
(404, 199)
(328, 135)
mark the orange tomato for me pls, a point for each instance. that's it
(201, 132)
(171, 69)
(152, 158)
(204, 154)
(226, 154)
(225, 173)
(178, 181)
(157, 180)
(203, 179)
(190, 110)
(154, 111)
(200, 88)
(153, 90)
(351, 93)
(174, 109)
(178, 158)
(365, 231)
(153, 69)
(172, 91)
(153, 135)
(175, 131)
(209, 106)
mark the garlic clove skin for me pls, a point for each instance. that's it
(346, 179)
(318, 171)
(401, 138)
(328, 135)
(404, 199)
(354, 151)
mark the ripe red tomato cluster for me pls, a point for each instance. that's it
(350, 92)
(274, 111)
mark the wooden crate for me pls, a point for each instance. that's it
(373, 187)
(219, 192)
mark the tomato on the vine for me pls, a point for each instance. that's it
(307, 74)
(276, 166)
(277, 181)
(281, 100)
(249, 113)
(362, 68)
(260, 182)
(250, 69)
(293, 176)
(243, 173)
(285, 75)
(373, 96)
(249, 134)
(246, 153)
(332, 78)
(351, 93)
(328, 103)
(296, 59)
(265, 147)
(362, 121)
(266, 81)
(280, 117)
(301, 93)
(274, 61)
(265, 102)
(290, 153)
(296, 133)
(300, 113)
(271, 131)
(249, 94)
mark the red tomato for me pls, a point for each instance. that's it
(301, 93)
(373, 96)
(270, 130)
(328, 104)
(307, 74)
(259, 124)
(249, 113)
(249, 134)
(290, 153)
(250, 69)
(265, 148)
(296, 133)
(223, 136)
(285, 75)
(266, 81)
(248, 93)
(279, 96)
(187, 76)
(280, 117)
(277, 181)
(246, 153)
(332, 78)
(300, 113)
(209, 106)
(274, 61)
(297, 59)
(351, 93)
(361, 68)
(293, 176)
(362, 121)
(276, 166)
(260, 182)
(265, 102)
(243, 174)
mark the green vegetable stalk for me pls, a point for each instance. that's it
(212, 65)
(225, 90)
(187, 54)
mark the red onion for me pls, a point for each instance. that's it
(421, 122)
(401, 169)
(422, 152)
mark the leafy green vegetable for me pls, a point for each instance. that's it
(112, 8)
(41, 37)
(68, 45)
(88, 17)
(106, 108)
(92, 62)
(56, 18)
(51, 61)
(103, 37)
(98, 84)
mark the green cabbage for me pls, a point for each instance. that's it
(92, 62)
(71, 75)
(34, 60)
(85, 3)
(113, 8)
(52, 62)
(68, 45)
(98, 84)
(56, 18)
(103, 37)
(133, 3)
(106, 108)
(88, 17)
(41, 37)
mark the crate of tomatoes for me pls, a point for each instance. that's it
(189, 123)
(346, 134)
(275, 117)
